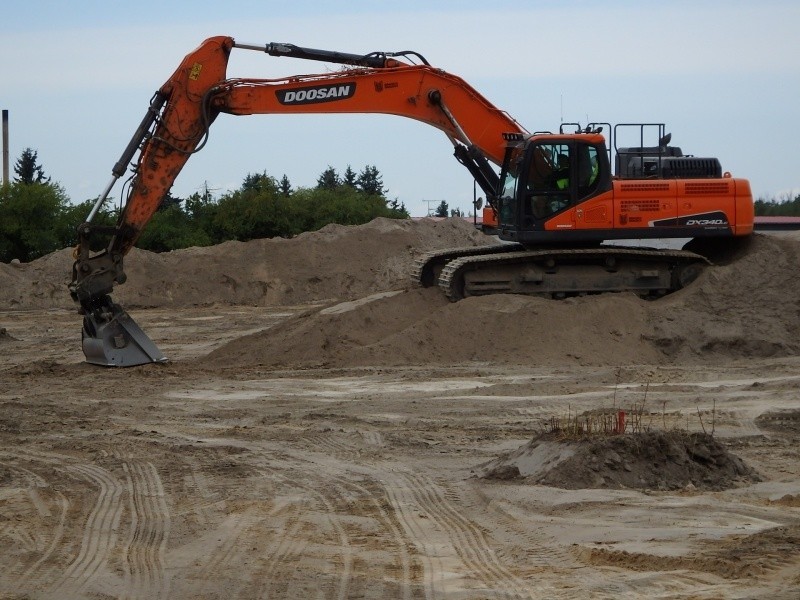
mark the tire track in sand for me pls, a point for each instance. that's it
(33, 572)
(376, 495)
(288, 548)
(277, 558)
(273, 559)
(144, 563)
(420, 535)
(99, 532)
(468, 540)
(226, 555)
(544, 551)
(344, 543)
(406, 571)
(148, 513)
(39, 571)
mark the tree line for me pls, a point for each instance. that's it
(786, 206)
(37, 217)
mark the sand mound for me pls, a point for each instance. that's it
(419, 326)
(731, 311)
(336, 262)
(745, 308)
(742, 308)
(665, 460)
(38, 284)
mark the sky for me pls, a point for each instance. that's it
(77, 77)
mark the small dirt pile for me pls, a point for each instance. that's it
(664, 460)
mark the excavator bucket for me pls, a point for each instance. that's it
(111, 338)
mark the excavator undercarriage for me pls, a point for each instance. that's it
(557, 272)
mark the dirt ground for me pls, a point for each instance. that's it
(325, 430)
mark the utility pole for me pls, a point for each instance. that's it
(429, 202)
(5, 147)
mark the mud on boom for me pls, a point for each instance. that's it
(551, 195)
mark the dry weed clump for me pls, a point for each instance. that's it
(618, 420)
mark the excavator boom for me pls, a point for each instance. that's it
(177, 124)
(186, 105)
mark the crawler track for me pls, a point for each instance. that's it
(557, 272)
(428, 267)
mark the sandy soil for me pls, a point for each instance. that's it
(325, 430)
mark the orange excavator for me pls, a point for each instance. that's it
(551, 197)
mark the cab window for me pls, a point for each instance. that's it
(549, 179)
(508, 195)
(588, 170)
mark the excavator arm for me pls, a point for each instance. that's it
(177, 124)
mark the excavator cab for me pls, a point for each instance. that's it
(545, 175)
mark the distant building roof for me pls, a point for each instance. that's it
(785, 223)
